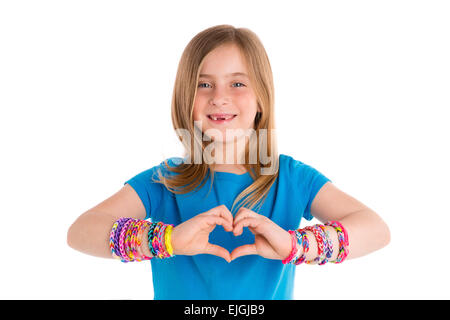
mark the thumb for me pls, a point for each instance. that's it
(247, 249)
(217, 251)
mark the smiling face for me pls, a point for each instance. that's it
(225, 98)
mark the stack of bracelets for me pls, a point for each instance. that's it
(324, 244)
(125, 243)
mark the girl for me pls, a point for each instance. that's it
(223, 101)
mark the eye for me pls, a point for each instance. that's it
(200, 85)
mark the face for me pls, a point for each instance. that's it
(225, 99)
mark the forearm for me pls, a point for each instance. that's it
(90, 234)
(366, 231)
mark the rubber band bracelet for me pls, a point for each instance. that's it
(125, 239)
(328, 245)
(319, 235)
(293, 250)
(302, 238)
(343, 240)
(298, 256)
(159, 240)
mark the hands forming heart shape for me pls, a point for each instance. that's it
(192, 236)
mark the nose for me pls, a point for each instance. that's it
(219, 96)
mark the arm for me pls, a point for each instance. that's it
(90, 232)
(367, 232)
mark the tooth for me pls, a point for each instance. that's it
(222, 118)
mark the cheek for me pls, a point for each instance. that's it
(248, 105)
(247, 97)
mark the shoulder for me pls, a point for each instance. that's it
(294, 164)
(290, 165)
(299, 172)
(305, 181)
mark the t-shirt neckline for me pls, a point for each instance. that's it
(222, 175)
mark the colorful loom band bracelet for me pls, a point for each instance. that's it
(328, 245)
(160, 238)
(302, 238)
(339, 227)
(133, 246)
(111, 240)
(127, 240)
(121, 223)
(124, 241)
(318, 234)
(114, 237)
(150, 237)
(122, 249)
(146, 224)
(293, 250)
(343, 240)
(168, 240)
(155, 243)
(135, 242)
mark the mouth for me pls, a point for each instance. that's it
(221, 118)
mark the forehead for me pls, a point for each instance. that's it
(224, 61)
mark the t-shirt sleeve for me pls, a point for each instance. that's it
(309, 181)
(149, 192)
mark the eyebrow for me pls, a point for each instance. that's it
(204, 75)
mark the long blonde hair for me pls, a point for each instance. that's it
(190, 175)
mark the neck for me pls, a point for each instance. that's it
(229, 152)
(229, 156)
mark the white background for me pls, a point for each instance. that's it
(361, 92)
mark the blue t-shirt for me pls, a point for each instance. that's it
(209, 277)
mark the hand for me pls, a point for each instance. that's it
(271, 241)
(192, 236)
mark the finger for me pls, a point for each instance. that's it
(217, 251)
(222, 211)
(217, 220)
(247, 222)
(244, 250)
(243, 213)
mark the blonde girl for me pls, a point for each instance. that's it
(231, 175)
